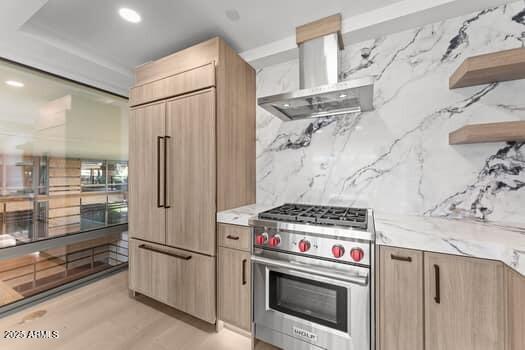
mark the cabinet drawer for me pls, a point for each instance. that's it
(178, 84)
(233, 236)
(175, 277)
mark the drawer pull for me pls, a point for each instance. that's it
(437, 298)
(401, 258)
(233, 238)
(174, 255)
(244, 261)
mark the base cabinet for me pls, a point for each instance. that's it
(437, 301)
(178, 278)
(234, 282)
(464, 303)
(234, 276)
(401, 299)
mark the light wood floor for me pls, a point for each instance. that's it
(102, 316)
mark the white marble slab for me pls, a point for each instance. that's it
(241, 215)
(396, 158)
(495, 241)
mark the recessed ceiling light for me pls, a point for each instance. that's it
(286, 105)
(342, 96)
(130, 15)
(233, 15)
(14, 83)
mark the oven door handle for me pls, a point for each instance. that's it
(354, 279)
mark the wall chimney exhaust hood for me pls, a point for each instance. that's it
(321, 93)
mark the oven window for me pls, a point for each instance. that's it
(318, 302)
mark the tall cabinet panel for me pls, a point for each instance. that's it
(192, 153)
(191, 200)
(146, 214)
(464, 303)
(235, 131)
(234, 289)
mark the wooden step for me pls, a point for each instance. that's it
(8, 295)
(490, 68)
(489, 132)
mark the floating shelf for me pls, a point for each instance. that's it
(490, 132)
(490, 68)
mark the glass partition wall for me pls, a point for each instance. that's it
(63, 171)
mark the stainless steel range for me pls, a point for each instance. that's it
(313, 279)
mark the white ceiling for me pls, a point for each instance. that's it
(88, 41)
(169, 25)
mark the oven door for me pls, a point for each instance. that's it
(324, 307)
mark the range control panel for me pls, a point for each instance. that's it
(334, 248)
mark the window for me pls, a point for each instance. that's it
(63, 170)
(63, 156)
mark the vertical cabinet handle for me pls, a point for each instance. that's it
(437, 298)
(159, 205)
(166, 201)
(244, 272)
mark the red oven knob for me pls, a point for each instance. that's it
(338, 251)
(304, 245)
(261, 239)
(357, 254)
(274, 241)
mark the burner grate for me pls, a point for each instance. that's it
(317, 214)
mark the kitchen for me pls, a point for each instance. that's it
(343, 177)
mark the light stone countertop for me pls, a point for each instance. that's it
(503, 242)
(241, 215)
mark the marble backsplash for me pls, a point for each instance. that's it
(397, 158)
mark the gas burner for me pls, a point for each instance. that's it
(318, 214)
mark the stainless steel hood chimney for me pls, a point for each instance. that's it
(321, 93)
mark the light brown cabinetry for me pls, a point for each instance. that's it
(175, 277)
(234, 276)
(234, 295)
(191, 80)
(464, 303)
(192, 152)
(235, 131)
(191, 212)
(234, 236)
(175, 206)
(401, 299)
(146, 216)
(214, 63)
